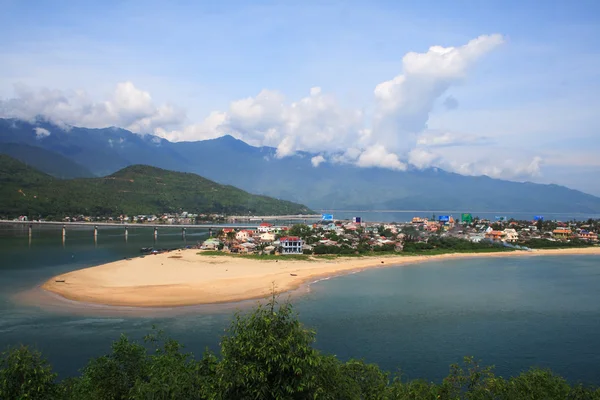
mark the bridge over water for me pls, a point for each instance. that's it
(125, 226)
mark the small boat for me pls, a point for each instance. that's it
(146, 249)
(60, 280)
(294, 274)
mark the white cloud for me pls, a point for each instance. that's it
(317, 160)
(405, 102)
(128, 107)
(422, 158)
(433, 138)
(397, 132)
(41, 133)
(378, 156)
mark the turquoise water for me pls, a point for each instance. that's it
(511, 312)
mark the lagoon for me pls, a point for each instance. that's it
(511, 312)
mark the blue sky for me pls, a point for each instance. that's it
(524, 107)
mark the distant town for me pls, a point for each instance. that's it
(348, 237)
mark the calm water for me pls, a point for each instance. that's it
(513, 312)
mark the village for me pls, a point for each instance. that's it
(357, 237)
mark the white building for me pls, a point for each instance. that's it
(511, 235)
(265, 227)
(243, 235)
(267, 237)
(291, 245)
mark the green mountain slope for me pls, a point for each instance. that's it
(48, 161)
(134, 190)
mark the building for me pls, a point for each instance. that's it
(243, 235)
(291, 245)
(267, 237)
(210, 244)
(265, 227)
(511, 235)
(496, 236)
(561, 233)
(585, 235)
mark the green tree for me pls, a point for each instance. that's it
(300, 230)
(25, 374)
(230, 237)
(113, 376)
(268, 355)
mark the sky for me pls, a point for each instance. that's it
(505, 89)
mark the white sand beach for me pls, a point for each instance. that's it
(184, 277)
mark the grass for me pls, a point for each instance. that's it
(316, 257)
(295, 257)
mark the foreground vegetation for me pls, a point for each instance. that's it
(134, 190)
(266, 354)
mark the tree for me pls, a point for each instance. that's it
(25, 374)
(300, 230)
(268, 355)
(230, 237)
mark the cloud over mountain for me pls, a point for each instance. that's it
(392, 135)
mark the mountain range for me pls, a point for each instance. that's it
(134, 190)
(257, 170)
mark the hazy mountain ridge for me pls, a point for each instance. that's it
(134, 190)
(332, 186)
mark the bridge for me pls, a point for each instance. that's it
(125, 226)
(297, 217)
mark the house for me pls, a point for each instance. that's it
(495, 235)
(243, 235)
(291, 245)
(511, 235)
(210, 244)
(561, 233)
(267, 237)
(265, 227)
(585, 235)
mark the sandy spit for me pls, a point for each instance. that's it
(185, 278)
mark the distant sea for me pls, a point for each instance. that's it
(513, 312)
(405, 216)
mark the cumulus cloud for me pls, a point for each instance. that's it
(127, 107)
(422, 158)
(395, 135)
(378, 156)
(405, 102)
(41, 133)
(317, 160)
(507, 169)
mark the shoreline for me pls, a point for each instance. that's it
(186, 278)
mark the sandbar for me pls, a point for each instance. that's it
(185, 277)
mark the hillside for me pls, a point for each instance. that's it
(137, 189)
(329, 186)
(50, 162)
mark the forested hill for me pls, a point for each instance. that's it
(137, 189)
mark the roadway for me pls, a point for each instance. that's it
(126, 225)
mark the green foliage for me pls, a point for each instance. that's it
(265, 354)
(113, 376)
(268, 355)
(134, 190)
(451, 244)
(301, 230)
(24, 374)
(558, 244)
